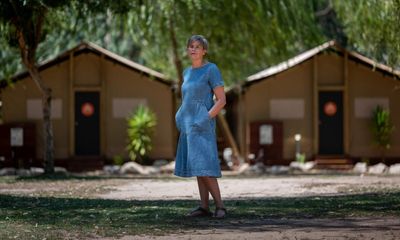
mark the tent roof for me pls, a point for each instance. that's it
(85, 47)
(331, 45)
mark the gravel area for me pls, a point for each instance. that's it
(239, 188)
(169, 187)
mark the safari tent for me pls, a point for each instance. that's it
(319, 103)
(94, 90)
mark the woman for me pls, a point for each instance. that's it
(197, 153)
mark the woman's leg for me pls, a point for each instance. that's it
(211, 184)
(204, 194)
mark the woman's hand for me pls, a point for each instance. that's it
(219, 93)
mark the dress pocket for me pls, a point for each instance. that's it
(202, 120)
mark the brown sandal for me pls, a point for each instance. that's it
(199, 212)
(220, 209)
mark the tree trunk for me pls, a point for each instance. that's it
(177, 60)
(48, 154)
(179, 69)
(28, 59)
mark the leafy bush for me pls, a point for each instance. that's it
(141, 126)
(118, 160)
(301, 157)
(382, 129)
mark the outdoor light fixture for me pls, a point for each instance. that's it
(297, 137)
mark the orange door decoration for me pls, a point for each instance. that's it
(87, 109)
(330, 108)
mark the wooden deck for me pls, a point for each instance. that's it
(333, 163)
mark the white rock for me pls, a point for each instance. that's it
(243, 167)
(37, 170)
(302, 166)
(394, 169)
(60, 170)
(7, 171)
(278, 169)
(23, 172)
(308, 165)
(151, 169)
(360, 167)
(169, 168)
(379, 168)
(295, 165)
(111, 169)
(257, 168)
(160, 162)
(133, 167)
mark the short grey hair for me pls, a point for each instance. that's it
(202, 40)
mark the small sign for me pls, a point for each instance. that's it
(266, 136)
(17, 137)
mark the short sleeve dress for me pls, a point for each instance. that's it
(197, 153)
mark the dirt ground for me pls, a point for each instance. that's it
(315, 229)
(241, 188)
(168, 188)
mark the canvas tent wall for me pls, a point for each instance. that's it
(118, 84)
(291, 92)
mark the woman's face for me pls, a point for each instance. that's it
(196, 51)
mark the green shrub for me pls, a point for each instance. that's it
(141, 126)
(382, 129)
(365, 160)
(118, 160)
(301, 157)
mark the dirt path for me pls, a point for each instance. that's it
(324, 229)
(239, 188)
(169, 188)
(271, 229)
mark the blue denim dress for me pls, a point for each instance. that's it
(197, 153)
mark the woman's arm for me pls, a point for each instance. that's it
(220, 103)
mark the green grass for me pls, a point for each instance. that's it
(24, 217)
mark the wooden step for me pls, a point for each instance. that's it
(330, 157)
(79, 164)
(335, 167)
(333, 163)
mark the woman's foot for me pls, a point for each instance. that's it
(220, 212)
(200, 212)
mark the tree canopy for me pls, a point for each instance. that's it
(244, 36)
(373, 28)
